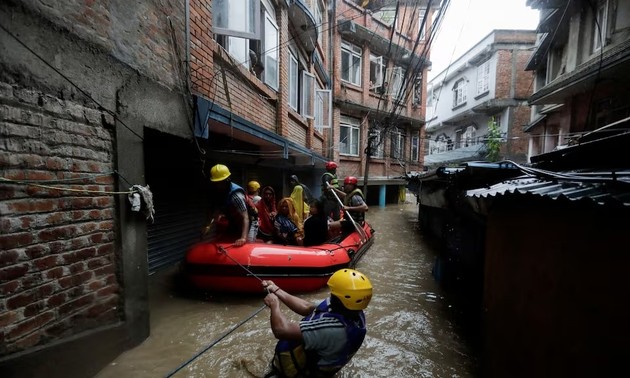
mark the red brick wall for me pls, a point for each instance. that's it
(58, 263)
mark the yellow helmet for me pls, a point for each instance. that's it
(352, 287)
(219, 173)
(253, 186)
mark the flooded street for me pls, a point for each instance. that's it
(410, 327)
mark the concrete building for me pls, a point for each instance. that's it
(580, 63)
(488, 84)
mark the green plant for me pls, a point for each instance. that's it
(493, 141)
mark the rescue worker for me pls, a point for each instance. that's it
(331, 182)
(330, 333)
(354, 204)
(253, 188)
(232, 207)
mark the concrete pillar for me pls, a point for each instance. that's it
(381, 195)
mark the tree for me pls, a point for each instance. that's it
(493, 141)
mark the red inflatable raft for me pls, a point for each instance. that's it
(222, 267)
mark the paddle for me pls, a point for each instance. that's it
(359, 229)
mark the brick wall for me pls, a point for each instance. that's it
(58, 263)
(135, 32)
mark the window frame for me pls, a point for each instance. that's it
(221, 26)
(353, 125)
(294, 79)
(375, 138)
(415, 148)
(352, 52)
(459, 92)
(483, 77)
(397, 150)
(323, 101)
(307, 95)
(271, 52)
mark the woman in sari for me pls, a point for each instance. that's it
(300, 201)
(266, 214)
(288, 231)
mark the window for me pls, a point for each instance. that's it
(293, 82)
(376, 144)
(308, 91)
(376, 73)
(422, 26)
(260, 53)
(483, 77)
(459, 92)
(319, 13)
(323, 109)
(238, 18)
(351, 63)
(271, 50)
(398, 145)
(387, 15)
(349, 136)
(415, 148)
(600, 25)
(469, 138)
(417, 90)
(396, 77)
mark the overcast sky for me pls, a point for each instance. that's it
(468, 21)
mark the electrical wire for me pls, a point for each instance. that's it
(99, 192)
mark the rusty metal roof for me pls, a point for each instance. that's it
(598, 187)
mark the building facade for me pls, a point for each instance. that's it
(580, 63)
(97, 98)
(487, 85)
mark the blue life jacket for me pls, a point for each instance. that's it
(291, 360)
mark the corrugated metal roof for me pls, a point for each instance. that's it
(598, 192)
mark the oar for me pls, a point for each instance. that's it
(359, 229)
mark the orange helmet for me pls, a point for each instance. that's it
(350, 180)
(331, 165)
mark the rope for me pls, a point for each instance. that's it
(215, 342)
(9, 181)
(224, 251)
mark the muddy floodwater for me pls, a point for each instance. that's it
(411, 331)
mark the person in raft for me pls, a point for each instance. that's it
(234, 215)
(330, 333)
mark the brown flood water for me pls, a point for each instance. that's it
(410, 330)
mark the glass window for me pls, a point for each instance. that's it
(459, 92)
(271, 52)
(351, 63)
(293, 82)
(422, 26)
(599, 25)
(398, 145)
(483, 77)
(376, 72)
(396, 75)
(376, 144)
(323, 109)
(349, 136)
(417, 89)
(239, 18)
(308, 91)
(415, 148)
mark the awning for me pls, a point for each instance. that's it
(212, 118)
(458, 155)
